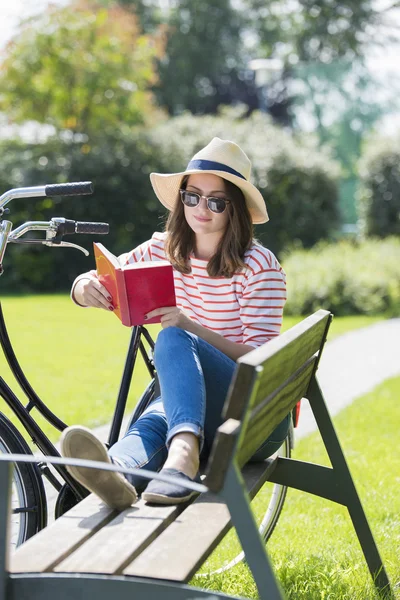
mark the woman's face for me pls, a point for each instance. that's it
(202, 220)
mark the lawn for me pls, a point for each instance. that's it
(74, 357)
(314, 548)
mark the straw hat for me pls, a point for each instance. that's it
(222, 158)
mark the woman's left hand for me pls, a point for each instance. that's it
(171, 316)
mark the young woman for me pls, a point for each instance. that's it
(230, 294)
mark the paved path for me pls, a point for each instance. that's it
(351, 365)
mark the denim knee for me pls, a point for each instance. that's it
(169, 341)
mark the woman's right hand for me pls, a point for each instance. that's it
(88, 291)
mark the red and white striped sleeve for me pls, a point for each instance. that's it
(263, 299)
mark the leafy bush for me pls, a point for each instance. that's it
(346, 278)
(297, 179)
(298, 183)
(119, 166)
(379, 193)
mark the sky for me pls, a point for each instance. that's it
(383, 62)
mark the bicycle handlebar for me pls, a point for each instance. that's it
(66, 227)
(81, 188)
(77, 188)
(86, 227)
(57, 227)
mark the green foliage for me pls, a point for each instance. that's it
(339, 98)
(202, 46)
(379, 193)
(118, 164)
(80, 67)
(297, 180)
(345, 278)
(313, 31)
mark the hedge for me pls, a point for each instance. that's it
(346, 278)
(297, 180)
(379, 191)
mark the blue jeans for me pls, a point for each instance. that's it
(194, 379)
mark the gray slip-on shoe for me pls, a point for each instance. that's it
(79, 442)
(160, 492)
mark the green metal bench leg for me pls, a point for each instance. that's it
(5, 502)
(235, 495)
(343, 475)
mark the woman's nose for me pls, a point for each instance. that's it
(202, 204)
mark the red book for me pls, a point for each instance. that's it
(137, 288)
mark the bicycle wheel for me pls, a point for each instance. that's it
(266, 506)
(28, 494)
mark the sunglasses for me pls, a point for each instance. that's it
(191, 199)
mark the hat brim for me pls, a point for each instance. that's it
(166, 187)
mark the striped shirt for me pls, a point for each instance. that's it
(246, 308)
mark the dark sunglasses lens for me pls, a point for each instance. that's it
(190, 199)
(217, 205)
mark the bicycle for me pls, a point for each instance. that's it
(29, 499)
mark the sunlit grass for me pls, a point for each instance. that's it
(339, 325)
(314, 549)
(74, 357)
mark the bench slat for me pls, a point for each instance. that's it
(123, 538)
(259, 374)
(50, 546)
(182, 548)
(267, 416)
(289, 353)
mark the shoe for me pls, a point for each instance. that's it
(111, 487)
(160, 492)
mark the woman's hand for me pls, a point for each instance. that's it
(88, 291)
(171, 316)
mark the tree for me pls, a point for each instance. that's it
(203, 66)
(81, 67)
(341, 102)
(317, 30)
(202, 50)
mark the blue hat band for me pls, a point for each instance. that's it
(211, 165)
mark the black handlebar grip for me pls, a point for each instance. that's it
(80, 188)
(83, 227)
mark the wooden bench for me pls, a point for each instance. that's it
(153, 551)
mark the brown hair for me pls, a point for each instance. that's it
(238, 236)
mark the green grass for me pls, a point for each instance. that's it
(74, 360)
(74, 357)
(340, 325)
(314, 549)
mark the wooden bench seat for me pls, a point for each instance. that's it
(152, 551)
(93, 538)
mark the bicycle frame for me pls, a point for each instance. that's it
(37, 435)
(55, 229)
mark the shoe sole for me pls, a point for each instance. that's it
(111, 487)
(152, 498)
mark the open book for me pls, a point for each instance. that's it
(137, 288)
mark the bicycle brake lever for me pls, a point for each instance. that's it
(66, 244)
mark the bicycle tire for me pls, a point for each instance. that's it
(29, 505)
